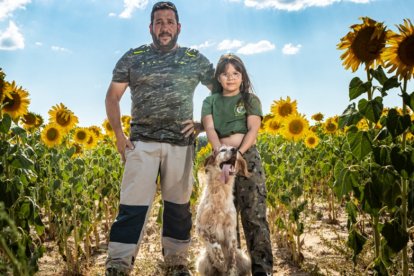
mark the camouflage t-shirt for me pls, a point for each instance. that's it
(162, 87)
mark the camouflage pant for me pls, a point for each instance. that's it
(250, 199)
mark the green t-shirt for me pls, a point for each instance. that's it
(230, 113)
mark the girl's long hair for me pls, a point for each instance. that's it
(246, 88)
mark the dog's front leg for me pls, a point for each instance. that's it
(232, 269)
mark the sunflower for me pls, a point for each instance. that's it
(108, 128)
(400, 53)
(92, 140)
(51, 135)
(81, 135)
(96, 130)
(125, 119)
(295, 127)
(31, 121)
(317, 117)
(63, 117)
(39, 120)
(2, 85)
(15, 101)
(311, 140)
(364, 44)
(283, 108)
(273, 126)
(330, 126)
(78, 149)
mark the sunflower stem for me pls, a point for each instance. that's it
(404, 193)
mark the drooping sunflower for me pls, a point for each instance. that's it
(52, 135)
(311, 140)
(399, 55)
(78, 149)
(63, 117)
(295, 127)
(39, 120)
(2, 85)
(31, 121)
(273, 126)
(283, 108)
(81, 135)
(108, 128)
(97, 131)
(317, 117)
(364, 44)
(92, 140)
(330, 126)
(16, 100)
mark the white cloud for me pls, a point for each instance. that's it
(228, 44)
(295, 5)
(11, 39)
(112, 14)
(38, 43)
(203, 45)
(60, 49)
(256, 48)
(290, 49)
(8, 6)
(131, 5)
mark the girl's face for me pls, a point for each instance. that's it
(230, 80)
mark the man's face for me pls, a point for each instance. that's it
(164, 30)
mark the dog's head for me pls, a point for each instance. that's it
(229, 161)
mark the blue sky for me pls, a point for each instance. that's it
(65, 50)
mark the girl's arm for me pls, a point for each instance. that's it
(211, 132)
(253, 125)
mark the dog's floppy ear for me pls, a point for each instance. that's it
(242, 165)
(210, 160)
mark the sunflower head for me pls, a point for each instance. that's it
(108, 128)
(317, 117)
(97, 131)
(273, 126)
(92, 140)
(2, 85)
(364, 44)
(63, 117)
(15, 100)
(295, 127)
(31, 121)
(399, 55)
(330, 126)
(81, 135)
(311, 140)
(52, 135)
(283, 108)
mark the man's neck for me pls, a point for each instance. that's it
(158, 49)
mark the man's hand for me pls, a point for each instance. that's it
(123, 143)
(191, 127)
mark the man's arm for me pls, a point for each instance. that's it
(113, 111)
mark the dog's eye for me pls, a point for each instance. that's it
(222, 150)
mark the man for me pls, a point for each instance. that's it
(162, 78)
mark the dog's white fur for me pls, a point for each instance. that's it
(216, 219)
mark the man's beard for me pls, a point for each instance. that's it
(164, 48)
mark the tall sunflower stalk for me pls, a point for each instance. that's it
(399, 56)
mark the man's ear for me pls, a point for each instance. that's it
(178, 28)
(150, 28)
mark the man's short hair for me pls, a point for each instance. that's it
(164, 5)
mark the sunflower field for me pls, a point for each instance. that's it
(60, 181)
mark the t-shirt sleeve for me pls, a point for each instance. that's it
(206, 108)
(121, 70)
(255, 106)
(206, 70)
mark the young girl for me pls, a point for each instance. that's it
(232, 116)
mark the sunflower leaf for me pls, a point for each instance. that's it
(357, 88)
(371, 109)
(408, 99)
(360, 143)
(379, 75)
(5, 123)
(390, 83)
(350, 116)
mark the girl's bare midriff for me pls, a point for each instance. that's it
(233, 140)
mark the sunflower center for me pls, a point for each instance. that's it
(274, 125)
(330, 127)
(29, 119)
(311, 140)
(406, 51)
(108, 126)
(52, 134)
(366, 48)
(12, 104)
(62, 118)
(296, 127)
(285, 110)
(81, 135)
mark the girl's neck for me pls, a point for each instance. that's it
(230, 94)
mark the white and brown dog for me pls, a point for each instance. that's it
(216, 219)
